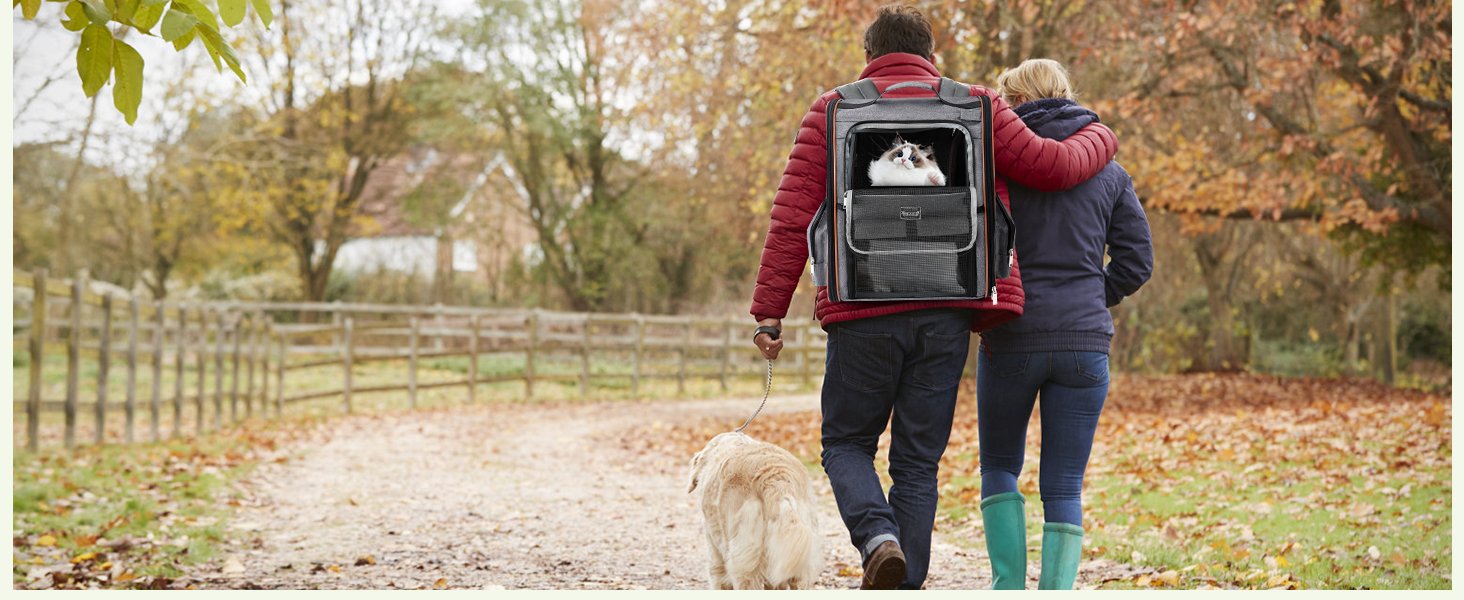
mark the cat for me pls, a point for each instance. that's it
(906, 164)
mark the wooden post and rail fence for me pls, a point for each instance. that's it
(233, 360)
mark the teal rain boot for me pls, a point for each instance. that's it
(1006, 540)
(1062, 547)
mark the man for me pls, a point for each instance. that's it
(897, 358)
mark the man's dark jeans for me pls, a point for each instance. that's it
(908, 364)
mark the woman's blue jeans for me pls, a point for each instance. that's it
(1073, 386)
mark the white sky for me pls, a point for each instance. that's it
(43, 49)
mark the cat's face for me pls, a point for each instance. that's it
(910, 156)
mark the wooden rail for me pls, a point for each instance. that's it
(233, 353)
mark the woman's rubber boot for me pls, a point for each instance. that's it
(1006, 540)
(1062, 548)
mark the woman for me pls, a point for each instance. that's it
(1059, 347)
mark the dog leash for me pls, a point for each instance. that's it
(767, 389)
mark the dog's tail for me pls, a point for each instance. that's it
(795, 549)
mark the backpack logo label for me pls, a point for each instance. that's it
(910, 213)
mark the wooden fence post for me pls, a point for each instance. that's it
(726, 351)
(134, 323)
(202, 374)
(473, 359)
(280, 377)
(635, 357)
(348, 349)
(261, 362)
(37, 358)
(437, 325)
(533, 326)
(261, 349)
(805, 347)
(681, 360)
(412, 364)
(237, 336)
(584, 378)
(104, 362)
(251, 333)
(180, 356)
(220, 325)
(73, 355)
(154, 403)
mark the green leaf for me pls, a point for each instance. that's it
(232, 11)
(217, 47)
(198, 9)
(146, 17)
(151, 3)
(94, 58)
(76, 17)
(183, 42)
(127, 88)
(177, 23)
(212, 51)
(125, 10)
(29, 8)
(97, 11)
(266, 14)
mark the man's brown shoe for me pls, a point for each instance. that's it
(885, 568)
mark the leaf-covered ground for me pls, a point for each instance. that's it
(1232, 481)
(139, 516)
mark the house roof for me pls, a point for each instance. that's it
(384, 199)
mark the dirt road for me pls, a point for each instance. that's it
(501, 496)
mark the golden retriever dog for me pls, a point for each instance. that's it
(758, 513)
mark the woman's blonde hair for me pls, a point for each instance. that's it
(1034, 79)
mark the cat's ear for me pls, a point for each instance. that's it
(929, 151)
(899, 140)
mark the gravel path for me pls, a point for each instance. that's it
(503, 496)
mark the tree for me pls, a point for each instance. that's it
(334, 111)
(102, 56)
(1334, 111)
(548, 93)
(156, 220)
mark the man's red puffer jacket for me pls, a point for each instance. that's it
(1021, 156)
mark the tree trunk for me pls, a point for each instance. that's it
(1226, 351)
(1387, 340)
(442, 277)
(67, 229)
(1349, 348)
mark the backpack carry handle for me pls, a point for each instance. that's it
(906, 84)
(863, 92)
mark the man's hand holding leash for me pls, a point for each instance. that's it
(768, 338)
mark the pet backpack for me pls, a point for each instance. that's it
(910, 243)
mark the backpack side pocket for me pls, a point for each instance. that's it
(818, 244)
(1003, 241)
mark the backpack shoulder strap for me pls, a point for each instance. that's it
(950, 88)
(863, 89)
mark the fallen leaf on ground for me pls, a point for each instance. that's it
(1166, 579)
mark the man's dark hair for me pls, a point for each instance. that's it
(899, 28)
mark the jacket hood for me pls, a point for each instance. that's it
(1055, 118)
